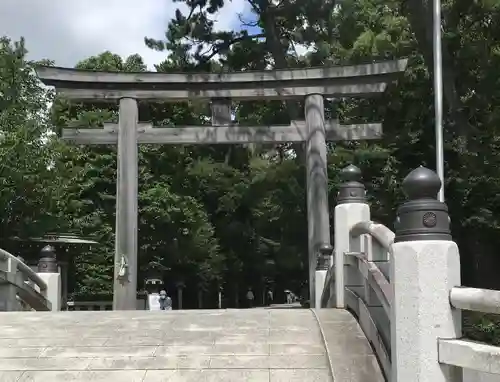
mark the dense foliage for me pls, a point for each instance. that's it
(234, 216)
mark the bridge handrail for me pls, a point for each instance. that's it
(377, 281)
(465, 353)
(417, 338)
(31, 289)
(29, 273)
(369, 245)
(474, 299)
(383, 235)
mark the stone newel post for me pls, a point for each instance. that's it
(351, 208)
(48, 270)
(323, 263)
(425, 265)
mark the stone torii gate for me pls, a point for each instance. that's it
(313, 84)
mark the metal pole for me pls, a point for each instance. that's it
(438, 94)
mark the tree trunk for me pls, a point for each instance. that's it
(278, 51)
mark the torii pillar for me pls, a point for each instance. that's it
(318, 217)
(125, 262)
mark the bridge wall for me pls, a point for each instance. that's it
(404, 287)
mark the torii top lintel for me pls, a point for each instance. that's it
(337, 81)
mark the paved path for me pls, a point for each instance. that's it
(349, 351)
(262, 345)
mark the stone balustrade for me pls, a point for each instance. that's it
(100, 305)
(404, 287)
(21, 288)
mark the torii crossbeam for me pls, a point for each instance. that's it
(234, 134)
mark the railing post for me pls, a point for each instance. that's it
(49, 272)
(424, 266)
(8, 291)
(324, 255)
(351, 208)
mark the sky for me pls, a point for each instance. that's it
(68, 31)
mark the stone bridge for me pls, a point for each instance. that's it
(225, 345)
(387, 308)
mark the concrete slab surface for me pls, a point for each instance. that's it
(477, 376)
(200, 345)
(350, 352)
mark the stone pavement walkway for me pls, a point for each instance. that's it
(278, 345)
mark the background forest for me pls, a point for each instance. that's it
(234, 216)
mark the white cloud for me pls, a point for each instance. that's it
(69, 31)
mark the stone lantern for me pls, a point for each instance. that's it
(47, 262)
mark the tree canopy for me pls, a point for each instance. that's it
(234, 216)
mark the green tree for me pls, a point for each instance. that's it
(174, 231)
(29, 188)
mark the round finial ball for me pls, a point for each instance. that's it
(421, 183)
(48, 251)
(351, 174)
(326, 249)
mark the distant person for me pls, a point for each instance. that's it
(250, 298)
(289, 297)
(165, 301)
(270, 297)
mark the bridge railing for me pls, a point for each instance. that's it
(404, 287)
(470, 354)
(21, 288)
(368, 291)
(98, 305)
